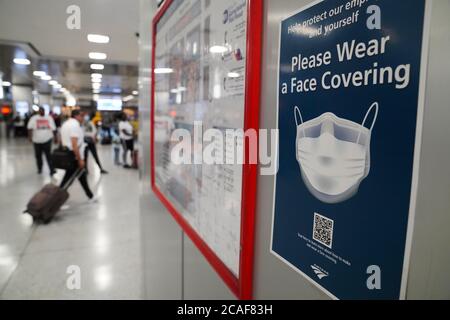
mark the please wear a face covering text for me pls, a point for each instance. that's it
(397, 76)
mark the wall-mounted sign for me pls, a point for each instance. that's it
(350, 108)
(204, 80)
(109, 104)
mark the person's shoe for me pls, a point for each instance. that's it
(39, 172)
(104, 171)
(93, 200)
(127, 166)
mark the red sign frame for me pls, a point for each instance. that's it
(242, 287)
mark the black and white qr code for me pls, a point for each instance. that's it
(323, 230)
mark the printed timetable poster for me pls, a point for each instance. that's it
(350, 109)
(200, 86)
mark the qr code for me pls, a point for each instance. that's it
(323, 230)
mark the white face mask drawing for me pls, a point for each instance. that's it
(334, 154)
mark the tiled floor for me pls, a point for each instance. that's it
(102, 239)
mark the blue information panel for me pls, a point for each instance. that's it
(350, 111)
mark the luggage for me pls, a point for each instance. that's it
(46, 203)
(63, 158)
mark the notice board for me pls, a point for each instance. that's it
(206, 76)
(350, 113)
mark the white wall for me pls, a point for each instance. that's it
(430, 258)
(161, 236)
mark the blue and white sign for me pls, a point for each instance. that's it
(350, 109)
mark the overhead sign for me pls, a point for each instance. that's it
(350, 108)
(109, 105)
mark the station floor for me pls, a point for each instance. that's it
(101, 240)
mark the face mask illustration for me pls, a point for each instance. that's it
(333, 154)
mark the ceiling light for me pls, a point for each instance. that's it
(57, 86)
(98, 38)
(63, 90)
(39, 73)
(97, 75)
(97, 55)
(96, 91)
(233, 75)
(128, 98)
(96, 80)
(135, 93)
(96, 86)
(53, 82)
(97, 66)
(24, 62)
(163, 70)
(35, 108)
(46, 78)
(6, 84)
(218, 49)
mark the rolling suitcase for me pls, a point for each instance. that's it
(46, 203)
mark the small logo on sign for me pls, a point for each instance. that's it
(320, 273)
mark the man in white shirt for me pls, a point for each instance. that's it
(41, 131)
(127, 136)
(72, 137)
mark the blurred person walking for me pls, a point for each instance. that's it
(90, 132)
(117, 146)
(57, 119)
(72, 137)
(10, 126)
(41, 132)
(126, 134)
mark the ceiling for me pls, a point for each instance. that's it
(43, 24)
(72, 74)
(36, 29)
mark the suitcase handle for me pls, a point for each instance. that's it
(75, 176)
